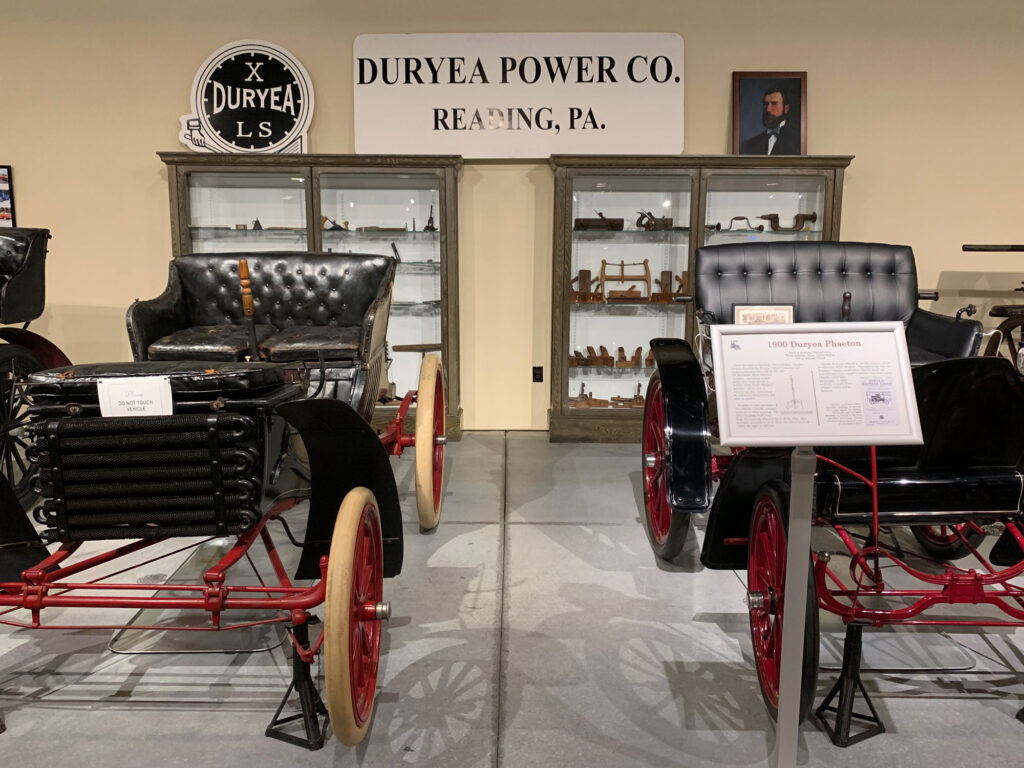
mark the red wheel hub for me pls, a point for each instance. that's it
(942, 534)
(364, 630)
(766, 585)
(659, 514)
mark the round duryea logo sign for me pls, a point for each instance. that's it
(249, 96)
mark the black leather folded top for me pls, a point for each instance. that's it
(185, 376)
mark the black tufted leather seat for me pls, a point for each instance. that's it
(309, 307)
(306, 305)
(812, 276)
(22, 274)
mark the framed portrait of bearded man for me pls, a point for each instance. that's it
(769, 113)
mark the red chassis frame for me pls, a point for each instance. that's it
(43, 585)
(954, 586)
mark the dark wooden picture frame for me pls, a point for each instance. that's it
(7, 219)
(750, 91)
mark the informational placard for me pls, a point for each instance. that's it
(519, 95)
(141, 396)
(810, 384)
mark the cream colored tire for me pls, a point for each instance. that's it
(351, 639)
(429, 450)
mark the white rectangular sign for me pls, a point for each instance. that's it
(519, 95)
(814, 384)
(139, 396)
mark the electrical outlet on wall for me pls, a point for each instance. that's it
(538, 373)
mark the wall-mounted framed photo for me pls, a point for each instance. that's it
(769, 113)
(6, 197)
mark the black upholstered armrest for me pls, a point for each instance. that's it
(22, 274)
(934, 337)
(375, 321)
(375, 326)
(153, 319)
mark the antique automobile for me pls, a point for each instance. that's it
(962, 482)
(22, 297)
(238, 445)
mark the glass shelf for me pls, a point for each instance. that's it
(416, 308)
(419, 268)
(608, 371)
(230, 233)
(630, 236)
(753, 236)
(628, 309)
(349, 235)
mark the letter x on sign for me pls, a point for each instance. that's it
(253, 71)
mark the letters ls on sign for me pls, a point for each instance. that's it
(519, 95)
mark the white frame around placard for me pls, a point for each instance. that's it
(892, 344)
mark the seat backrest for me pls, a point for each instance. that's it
(22, 274)
(288, 288)
(811, 276)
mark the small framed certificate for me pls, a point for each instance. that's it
(762, 314)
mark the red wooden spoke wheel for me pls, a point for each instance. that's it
(666, 529)
(766, 585)
(353, 611)
(944, 542)
(430, 442)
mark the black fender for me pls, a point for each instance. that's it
(46, 351)
(344, 453)
(688, 442)
(20, 545)
(734, 505)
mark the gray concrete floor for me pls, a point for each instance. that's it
(533, 627)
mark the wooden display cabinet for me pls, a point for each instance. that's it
(627, 229)
(357, 203)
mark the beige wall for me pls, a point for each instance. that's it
(927, 96)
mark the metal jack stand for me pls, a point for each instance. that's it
(846, 687)
(311, 706)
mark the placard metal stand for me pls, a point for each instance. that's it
(805, 385)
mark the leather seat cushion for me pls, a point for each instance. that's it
(207, 342)
(185, 376)
(305, 342)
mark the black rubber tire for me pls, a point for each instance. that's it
(671, 545)
(952, 550)
(779, 496)
(16, 363)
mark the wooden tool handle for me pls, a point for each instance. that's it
(243, 277)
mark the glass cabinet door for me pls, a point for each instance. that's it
(371, 213)
(247, 211)
(630, 243)
(749, 207)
